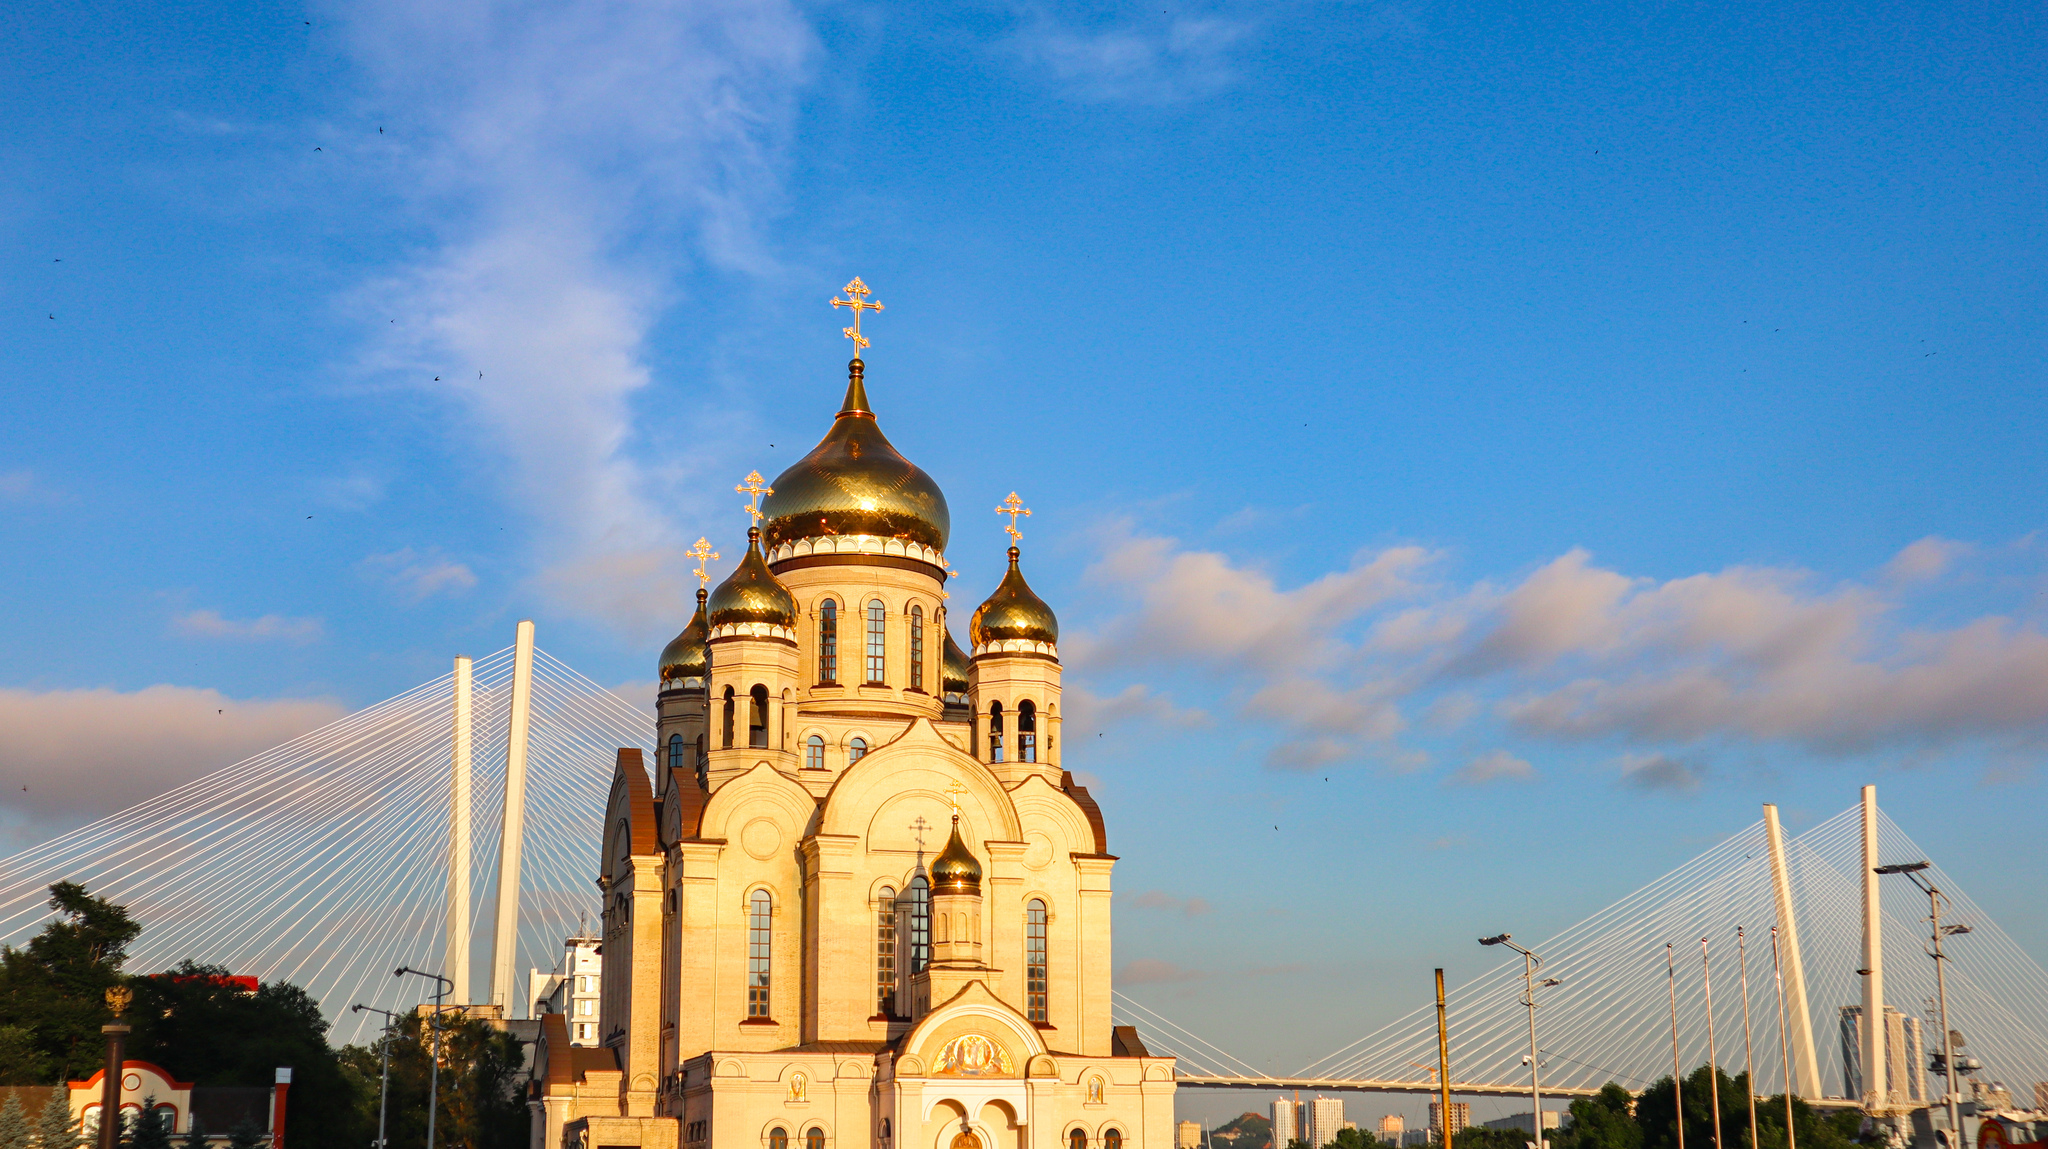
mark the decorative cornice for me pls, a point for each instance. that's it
(844, 547)
(767, 630)
(1018, 646)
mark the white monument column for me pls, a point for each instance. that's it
(1806, 1068)
(1873, 961)
(504, 950)
(456, 962)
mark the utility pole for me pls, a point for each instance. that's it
(1784, 1040)
(441, 987)
(1713, 1054)
(1952, 1096)
(1443, 1061)
(384, 1066)
(1748, 1056)
(1530, 962)
(1677, 1077)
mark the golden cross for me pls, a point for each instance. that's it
(753, 489)
(1014, 506)
(953, 790)
(858, 292)
(701, 552)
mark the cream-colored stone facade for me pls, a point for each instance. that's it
(779, 972)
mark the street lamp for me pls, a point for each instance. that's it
(1529, 963)
(442, 987)
(384, 1071)
(1948, 1054)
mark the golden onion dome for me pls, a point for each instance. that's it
(955, 870)
(953, 670)
(752, 593)
(1013, 612)
(686, 656)
(855, 483)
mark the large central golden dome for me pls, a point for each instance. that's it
(855, 483)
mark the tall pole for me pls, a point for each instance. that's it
(441, 985)
(512, 832)
(384, 1067)
(1535, 1085)
(1948, 1052)
(1748, 1053)
(1443, 1061)
(1793, 979)
(457, 961)
(1784, 1039)
(1875, 1093)
(1677, 1078)
(110, 1080)
(1713, 1053)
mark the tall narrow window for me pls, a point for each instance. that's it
(1114, 1139)
(856, 750)
(675, 752)
(917, 648)
(815, 1139)
(995, 732)
(1078, 1139)
(760, 939)
(828, 642)
(878, 639)
(814, 753)
(727, 744)
(757, 717)
(885, 953)
(1034, 960)
(920, 924)
(778, 1138)
(1027, 731)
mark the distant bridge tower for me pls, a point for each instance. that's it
(457, 959)
(512, 831)
(1875, 1093)
(1805, 1070)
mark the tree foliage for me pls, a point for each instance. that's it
(54, 1129)
(481, 1106)
(149, 1129)
(55, 987)
(15, 1132)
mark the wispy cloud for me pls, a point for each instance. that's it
(1161, 900)
(1153, 971)
(1164, 61)
(548, 136)
(269, 628)
(1493, 766)
(1659, 772)
(421, 575)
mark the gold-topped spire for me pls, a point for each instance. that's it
(753, 489)
(702, 552)
(857, 293)
(1014, 506)
(954, 790)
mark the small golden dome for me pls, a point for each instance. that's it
(752, 593)
(955, 870)
(953, 670)
(686, 656)
(855, 483)
(1013, 612)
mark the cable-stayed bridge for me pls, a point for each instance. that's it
(325, 862)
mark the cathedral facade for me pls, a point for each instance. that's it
(856, 902)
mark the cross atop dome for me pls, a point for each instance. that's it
(857, 299)
(752, 488)
(1014, 506)
(702, 552)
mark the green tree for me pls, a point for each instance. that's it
(1356, 1139)
(56, 986)
(1476, 1137)
(22, 1061)
(247, 1135)
(1603, 1121)
(14, 1128)
(481, 1105)
(151, 1128)
(1814, 1130)
(195, 1136)
(193, 1020)
(54, 1129)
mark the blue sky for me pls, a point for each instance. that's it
(1529, 421)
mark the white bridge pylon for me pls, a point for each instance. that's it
(325, 862)
(1610, 1019)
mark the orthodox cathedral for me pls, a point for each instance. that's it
(858, 903)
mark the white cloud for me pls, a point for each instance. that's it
(1088, 712)
(421, 576)
(1493, 766)
(1161, 900)
(561, 155)
(1659, 772)
(86, 753)
(1163, 61)
(270, 627)
(1929, 558)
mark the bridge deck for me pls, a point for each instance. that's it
(1466, 1088)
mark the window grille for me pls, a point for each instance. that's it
(828, 642)
(878, 641)
(760, 940)
(1034, 961)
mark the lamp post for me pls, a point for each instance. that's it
(1948, 1054)
(441, 987)
(384, 1070)
(1529, 964)
(1784, 1040)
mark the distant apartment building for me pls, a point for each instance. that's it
(1325, 1117)
(1419, 1138)
(1461, 1116)
(1188, 1135)
(572, 989)
(1392, 1126)
(1286, 1119)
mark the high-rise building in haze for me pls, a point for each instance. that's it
(1286, 1121)
(1461, 1116)
(1391, 1128)
(1325, 1117)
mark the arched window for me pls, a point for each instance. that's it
(778, 1138)
(1034, 961)
(828, 642)
(675, 752)
(757, 718)
(856, 750)
(760, 939)
(1078, 1139)
(885, 952)
(920, 924)
(878, 641)
(815, 1139)
(995, 732)
(1027, 731)
(814, 753)
(917, 648)
(1113, 1139)
(727, 744)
